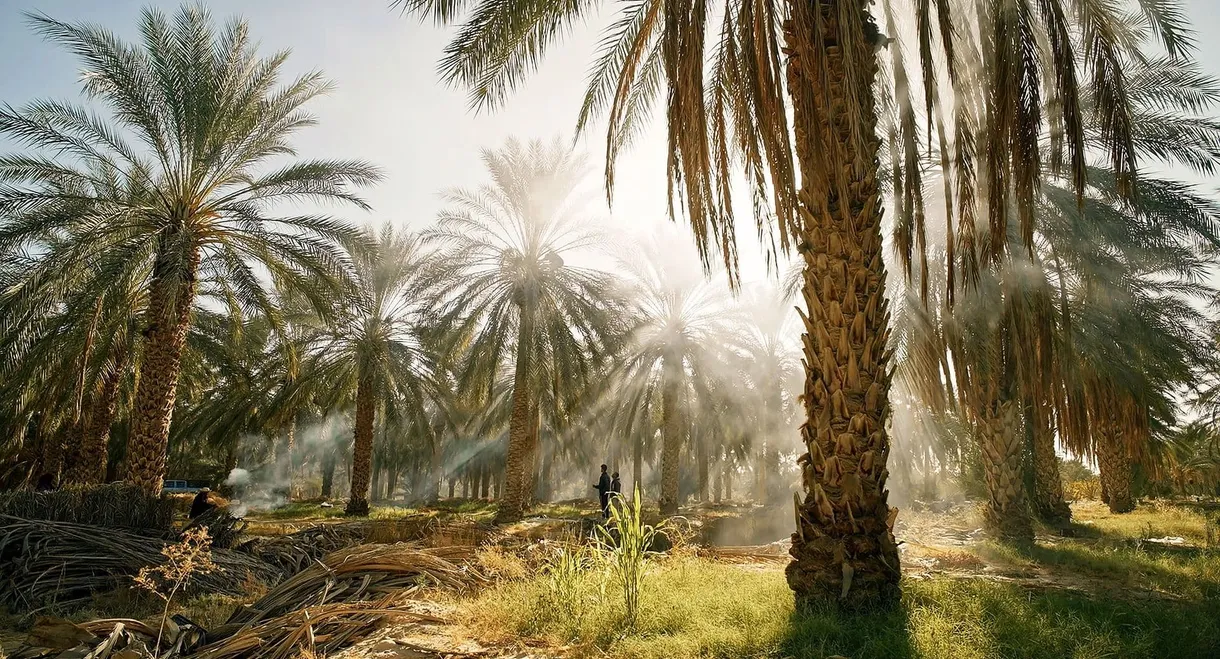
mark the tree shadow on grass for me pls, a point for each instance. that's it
(816, 632)
(946, 618)
(1177, 572)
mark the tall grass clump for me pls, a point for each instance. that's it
(624, 545)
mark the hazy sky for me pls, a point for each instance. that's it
(389, 107)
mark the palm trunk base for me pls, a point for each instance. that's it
(1012, 524)
(1115, 466)
(853, 570)
(1057, 513)
(1006, 515)
(357, 508)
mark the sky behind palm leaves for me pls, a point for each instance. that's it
(390, 107)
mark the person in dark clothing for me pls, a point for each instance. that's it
(46, 483)
(201, 504)
(603, 492)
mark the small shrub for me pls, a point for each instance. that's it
(184, 559)
(1084, 489)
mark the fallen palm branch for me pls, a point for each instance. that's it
(294, 552)
(747, 554)
(45, 564)
(116, 506)
(362, 573)
(310, 631)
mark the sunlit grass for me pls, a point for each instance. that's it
(1102, 595)
(1149, 520)
(697, 608)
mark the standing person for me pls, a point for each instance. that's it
(603, 492)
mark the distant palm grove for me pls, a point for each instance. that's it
(986, 259)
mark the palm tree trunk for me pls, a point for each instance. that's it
(728, 484)
(844, 550)
(435, 472)
(1006, 514)
(91, 465)
(637, 466)
(1049, 504)
(760, 489)
(328, 473)
(171, 296)
(521, 438)
(452, 486)
(288, 477)
(701, 455)
(375, 486)
(391, 483)
(1115, 466)
(544, 479)
(718, 488)
(484, 482)
(362, 450)
(671, 437)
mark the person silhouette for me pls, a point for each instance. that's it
(603, 492)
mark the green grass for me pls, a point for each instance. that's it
(697, 608)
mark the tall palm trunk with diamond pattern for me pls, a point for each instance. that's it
(844, 549)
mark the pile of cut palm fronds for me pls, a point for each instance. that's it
(45, 563)
(308, 631)
(294, 552)
(118, 505)
(313, 631)
(363, 573)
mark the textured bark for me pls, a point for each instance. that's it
(90, 468)
(168, 320)
(452, 487)
(671, 437)
(1115, 466)
(362, 450)
(843, 551)
(718, 489)
(728, 485)
(521, 438)
(484, 482)
(1006, 514)
(1049, 504)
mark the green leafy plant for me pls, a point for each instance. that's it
(623, 544)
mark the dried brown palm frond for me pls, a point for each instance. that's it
(362, 573)
(61, 564)
(316, 630)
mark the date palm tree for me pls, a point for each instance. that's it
(193, 119)
(685, 332)
(376, 355)
(786, 92)
(511, 299)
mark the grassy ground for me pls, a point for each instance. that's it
(1105, 593)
